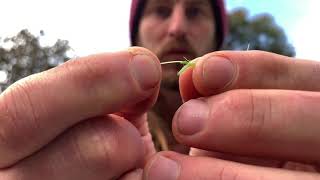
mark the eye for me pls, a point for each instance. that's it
(162, 11)
(193, 12)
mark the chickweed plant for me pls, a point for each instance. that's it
(187, 63)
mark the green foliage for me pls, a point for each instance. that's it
(26, 56)
(260, 32)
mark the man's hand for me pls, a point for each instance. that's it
(250, 113)
(82, 120)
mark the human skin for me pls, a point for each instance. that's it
(84, 119)
(233, 118)
(95, 128)
(171, 29)
(175, 30)
(254, 114)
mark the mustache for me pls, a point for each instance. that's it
(174, 45)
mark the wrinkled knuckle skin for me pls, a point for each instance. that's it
(247, 111)
(81, 75)
(18, 120)
(107, 146)
(260, 115)
(228, 173)
(251, 112)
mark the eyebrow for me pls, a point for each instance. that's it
(153, 1)
(201, 2)
(187, 1)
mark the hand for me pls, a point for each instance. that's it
(250, 115)
(82, 120)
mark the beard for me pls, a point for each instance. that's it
(169, 99)
(174, 50)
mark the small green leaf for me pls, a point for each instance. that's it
(183, 69)
(186, 64)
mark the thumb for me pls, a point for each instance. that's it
(136, 113)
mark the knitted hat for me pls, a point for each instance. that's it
(137, 7)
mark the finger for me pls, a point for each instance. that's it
(237, 158)
(225, 70)
(295, 166)
(133, 175)
(255, 161)
(173, 166)
(187, 88)
(273, 124)
(42, 106)
(102, 148)
(142, 126)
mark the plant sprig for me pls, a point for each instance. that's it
(187, 63)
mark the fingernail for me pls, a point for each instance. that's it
(218, 72)
(145, 71)
(192, 116)
(163, 168)
(135, 174)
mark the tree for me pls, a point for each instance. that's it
(259, 32)
(26, 56)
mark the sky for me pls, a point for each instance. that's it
(298, 18)
(93, 26)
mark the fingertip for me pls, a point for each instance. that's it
(213, 74)
(164, 165)
(186, 86)
(133, 175)
(136, 50)
(145, 67)
(146, 71)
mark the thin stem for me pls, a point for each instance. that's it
(248, 47)
(171, 62)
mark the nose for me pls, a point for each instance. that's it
(178, 23)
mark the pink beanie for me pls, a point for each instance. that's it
(218, 7)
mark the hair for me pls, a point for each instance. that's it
(160, 129)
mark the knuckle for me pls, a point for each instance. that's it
(231, 172)
(234, 101)
(87, 138)
(259, 115)
(18, 120)
(99, 79)
(250, 112)
(228, 172)
(103, 144)
(79, 73)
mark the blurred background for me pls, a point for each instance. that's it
(36, 35)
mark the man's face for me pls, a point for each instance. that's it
(177, 29)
